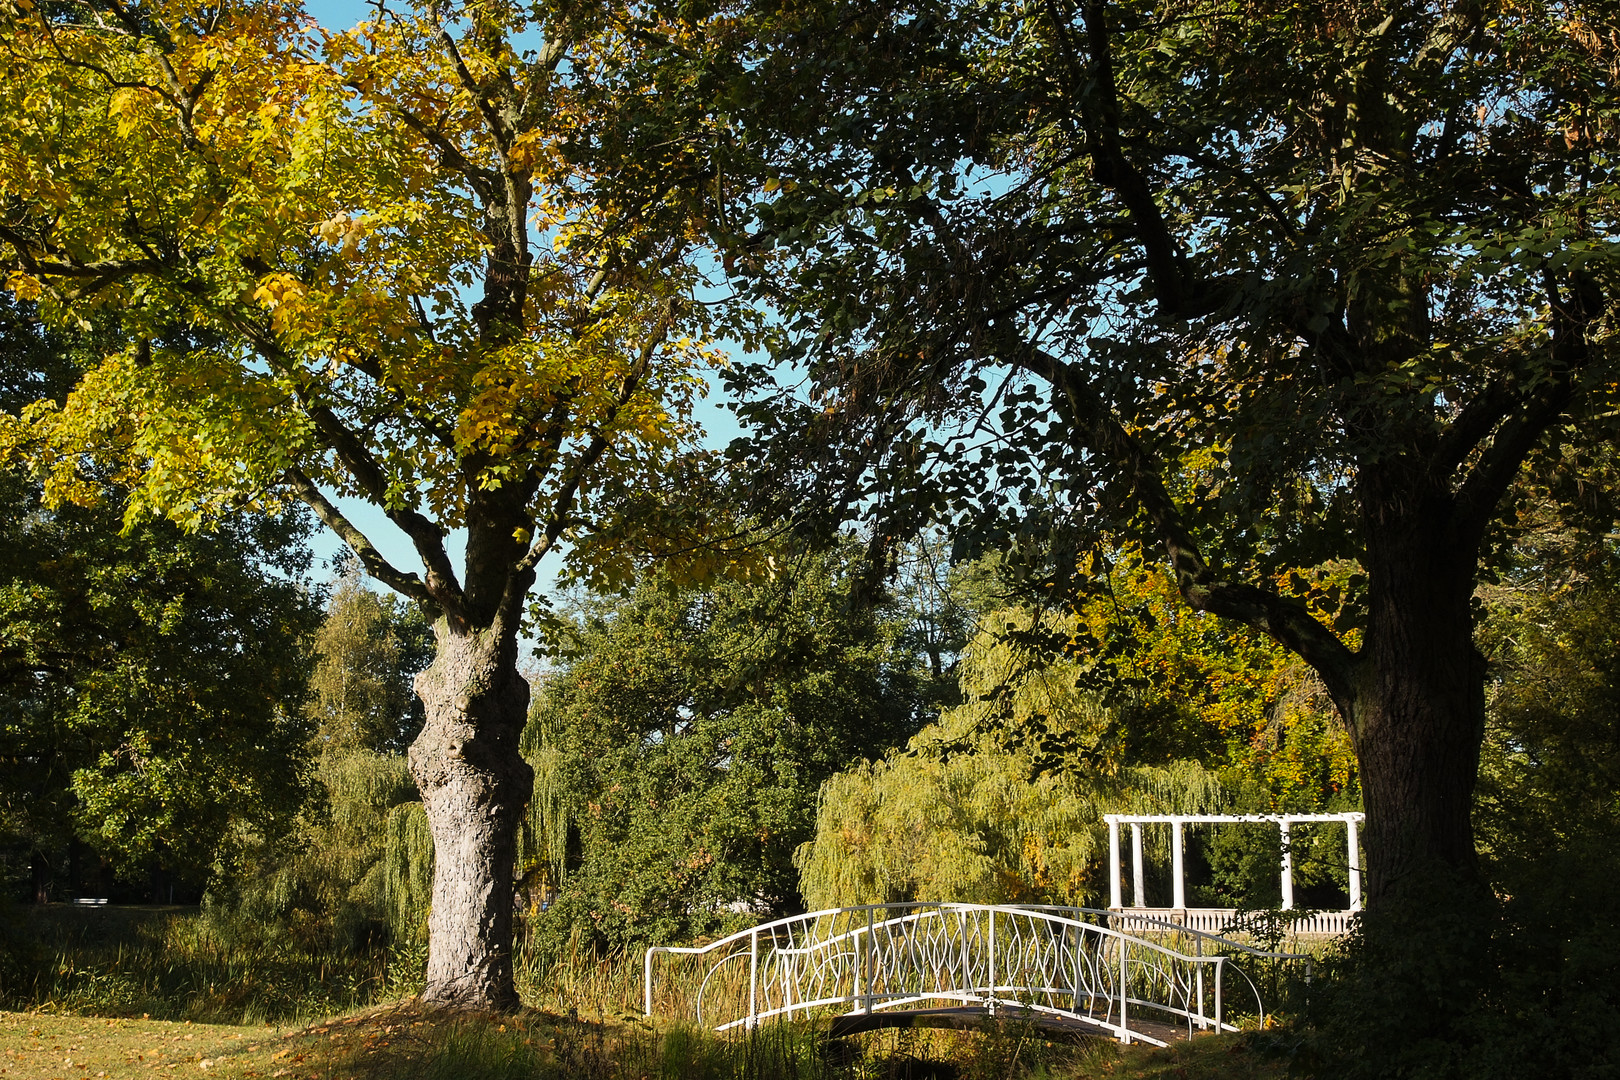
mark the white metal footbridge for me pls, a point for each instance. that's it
(1129, 976)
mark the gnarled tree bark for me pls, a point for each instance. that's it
(474, 784)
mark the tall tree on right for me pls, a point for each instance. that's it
(1349, 266)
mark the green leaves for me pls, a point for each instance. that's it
(152, 681)
(679, 748)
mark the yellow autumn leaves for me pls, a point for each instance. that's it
(324, 210)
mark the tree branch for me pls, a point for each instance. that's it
(1094, 428)
(514, 205)
(362, 465)
(183, 99)
(425, 534)
(408, 585)
(369, 367)
(36, 257)
(1488, 480)
(497, 123)
(562, 506)
(1477, 419)
(481, 180)
(1166, 263)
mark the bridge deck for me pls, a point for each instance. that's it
(974, 1018)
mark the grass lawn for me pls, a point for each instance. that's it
(403, 1041)
(40, 1045)
(378, 1042)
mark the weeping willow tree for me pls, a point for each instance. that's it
(961, 815)
(543, 836)
(1123, 703)
(407, 872)
(332, 879)
(977, 828)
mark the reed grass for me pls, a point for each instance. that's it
(176, 963)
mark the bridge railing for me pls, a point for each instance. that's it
(1064, 962)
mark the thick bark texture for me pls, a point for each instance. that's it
(1418, 710)
(474, 784)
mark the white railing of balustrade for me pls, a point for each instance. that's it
(1066, 962)
(1221, 921)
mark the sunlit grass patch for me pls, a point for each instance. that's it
(36, 1046)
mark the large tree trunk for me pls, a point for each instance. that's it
(1419, 709)
(41, 866)
(474, 783)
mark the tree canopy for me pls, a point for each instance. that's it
(680, 745)
(1345, 267)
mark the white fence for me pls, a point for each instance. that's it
(1227, 921)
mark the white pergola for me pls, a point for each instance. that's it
(1178, 849)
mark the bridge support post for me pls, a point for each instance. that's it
(1202, 1024)
(753, 979)
(1124, 993)
(1178, 868)
(990, 974)
(866, 966)
(646, 980)
(860, 975)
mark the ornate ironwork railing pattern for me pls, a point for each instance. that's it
(1072, 963)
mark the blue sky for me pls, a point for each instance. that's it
(337, 14)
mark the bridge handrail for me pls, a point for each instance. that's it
(1167, 924)
(743, 935)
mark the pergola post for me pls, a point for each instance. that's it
(1140, 894)
(1178, 869)
(1179, 823)
(1287, 867)
(1113, 866)
(1355, 862)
